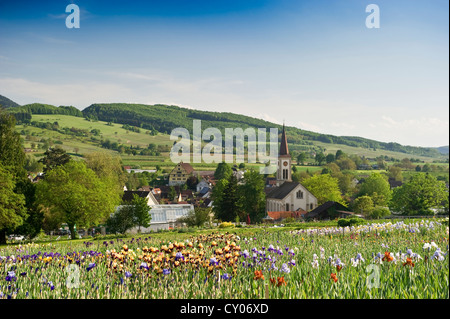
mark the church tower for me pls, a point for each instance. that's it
(284, 161)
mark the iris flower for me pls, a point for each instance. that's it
(285, 268)
(91, 265)
(258, 275)
(226, 276)
(409, 262)
(387, 257)
(334, 277)
(144, 265)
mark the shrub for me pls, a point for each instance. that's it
(226, 225)
(354, 221)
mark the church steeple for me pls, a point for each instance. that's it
(284, 150)
(284, 161)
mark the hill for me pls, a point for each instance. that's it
(161, 119)
(7, 103)
(443, 149)
(164, 118)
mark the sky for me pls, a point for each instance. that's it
(311, 64)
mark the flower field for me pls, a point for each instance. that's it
(379, 261)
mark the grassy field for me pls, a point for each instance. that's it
(370, 153)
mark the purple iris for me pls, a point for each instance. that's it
(285, 268)
(179, 255)
(11, 276)
(213, 261)
(91, 265)
(226, 276)
(128, 274)
(166, 271)
(144, 265)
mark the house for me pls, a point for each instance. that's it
(202, 184)
(129, 195)
(329, 210)
(180, 174)
(287, 195)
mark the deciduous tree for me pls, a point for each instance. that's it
(75, 195)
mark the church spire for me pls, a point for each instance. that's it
(284, 146)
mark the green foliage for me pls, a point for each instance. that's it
(377, 187)
(223, 171)
(122, 220)
(226, 225)
(419, 196)
(252, 196)
(226, 198)
(12, 156)
(197, 217)
(325, 188)
(74, 194)
(379, 212)
(38, 108)
(54, 157)
(349, 222)
(141, 212)
(363, 205)
(12, 205)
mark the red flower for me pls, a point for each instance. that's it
(258, 275)
(387, 256)
(334, 277)
(409, 262)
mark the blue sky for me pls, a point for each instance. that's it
(313, 64)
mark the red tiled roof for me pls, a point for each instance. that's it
(187, 167)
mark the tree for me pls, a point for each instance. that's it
(122, 220)
(330, 158)
(346, 163)
(301, 158)
(419, 196)
(339, 154)
(12, 156)
(54, 157)
(107, 167)
(225, 196)
(324, 188)
(12, 160)
(363, 205)
(222, 171)
(33, 223)
(196, 217)
(75, 195)
(379, 212)
(395, 172)
(253, 197)
(172, 193)
(320, 158)
(377, 187)
(141, 212)
(12, 205)
(192, 182)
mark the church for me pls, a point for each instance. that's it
(288, 196)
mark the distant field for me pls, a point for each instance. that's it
(370, 153)
(115, 133)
